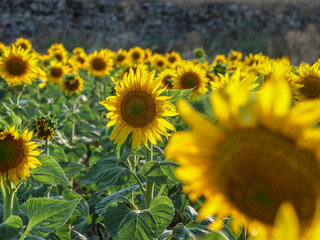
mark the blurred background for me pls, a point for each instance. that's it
(273, 27)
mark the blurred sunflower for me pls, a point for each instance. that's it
(263, 153)
(234, 56)
(136, 55)
(166, 78)
(147, 55)
(80, 59)
(158, 61)
(309, 77)
(23, 43)
(190, 75)
(173, 58)
(78, 51)
(134, 67)
(17, 66)
(72, 84)
(98, 64)
(18, 155)
(43, 128)
(60, 54)
(56, 72)
(137, 108)
(121, 58)
(2, 48)
(219, 58)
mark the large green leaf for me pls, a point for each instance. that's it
(178, 94)
(10, 229)
(82, 208)
(124, 223)
(50, 172)
(47, 215)
(58, 153)
(107, 171)
(160, 172)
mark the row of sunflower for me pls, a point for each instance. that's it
(244, 163)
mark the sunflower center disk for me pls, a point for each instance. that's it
(11, 153)
(16, 66)
(257, 170)
(58, 56)
(189, 81)
(311, 88)
(135, 55)
(138, 109)
(56, 72)
(98, 64)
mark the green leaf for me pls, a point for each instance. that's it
(178, 94)
(107, 171)
(47, 215)
(82, 208)
(58, 153)
(63, 233)
(71, 169)
(181, 232)
(50, 172)
(102, 206)
(160, 172)
(10, 229)
(162, 211)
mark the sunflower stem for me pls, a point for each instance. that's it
(8, 200)
(73, 122)
(150, 185)
(46, 147)
(163, 187)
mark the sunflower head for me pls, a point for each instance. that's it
(23, 44)
(199, 53)
(44, 127)
(18, 155)
(263, 153)
(99, 64)
(121, 58)
(158, 61)
(234, 56)
(78, 51)
(56, 72)
(136, 55)
(126, 69)
(219, 58)
(173, 58)
(72, 84)
(166, 78)
(147, 55)
(139, 109)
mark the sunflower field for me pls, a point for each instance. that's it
(132, 144)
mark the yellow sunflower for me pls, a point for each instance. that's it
(72, 84)
(166, 78)
(234, 56)
(262, 153)
(137, 108)
(173, 58)
(158, 61)
(80, 59)
(78, 51)
(121, 58)
(190, 75)
(136, 55)
(219, 58)
(43, 129)
(18, 155)
(56, 72)
(134, 67)
(23, 43)
(309, 77)
(98, 64)
(17, 66)
(60, 54)
(2, 48)
(147, 55)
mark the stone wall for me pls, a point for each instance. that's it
(141, 22)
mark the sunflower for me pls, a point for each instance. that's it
(136, 55)
(98, 64)
(56, 72)
(309, 77)
(23, 43)
(219, 58)
(134, 67)
(17, 66)
(18, 155)
(263, 153)
(80, 59)
(60, 54)
(166, 78)
(234, 56)
(191, 76)
(2, 48)
(147, 55)
(72, 84)
(43, 128)
(173, 58)
(137, 108)
(158, 61)
(121, 58)
(78, 51)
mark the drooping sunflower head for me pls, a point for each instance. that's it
(262, 154)
(121, 58)
(72, 84)
(18, 66)
(309, 78)
(158, 61)
(98, 64)
(23, 44)
(136, 55)
(191, 76)
(173, 58)
(166, 78)
(139, 109)
(44, 127)
(18, 155)
(56, 72)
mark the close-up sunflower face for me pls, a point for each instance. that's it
(17, 66)
(139, 109)
(18, 155)
(98, 64)
(72, 84)
(260, 156)
(136, 55)
(191, 76)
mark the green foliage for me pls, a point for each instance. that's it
(11, 228)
